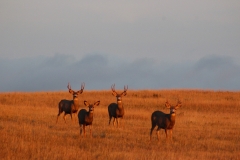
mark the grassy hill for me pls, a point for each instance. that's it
(207, 126)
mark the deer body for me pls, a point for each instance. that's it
(69, 106)
(116, 110)
(164, 121)
(85, 117)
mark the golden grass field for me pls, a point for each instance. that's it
(207, 126)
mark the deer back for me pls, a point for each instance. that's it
(65, 105)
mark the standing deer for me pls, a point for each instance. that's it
(116, 110)
(164, 121)
(70, 106)
(85, 117)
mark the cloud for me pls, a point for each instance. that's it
(217, 72)
(99, 71)
(214, 62)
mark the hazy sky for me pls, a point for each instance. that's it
(145, 44)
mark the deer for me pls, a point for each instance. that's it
(85, 117)
(70, 106)
(164, 121)
(116, 110)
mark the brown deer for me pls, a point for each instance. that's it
(164, 121)
(70, 106)
(85, 117)
(116, 110)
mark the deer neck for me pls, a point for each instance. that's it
(120, 109)
(172, 117)
(75, 101)
(120, 105)
(90, 114)
(75, 104)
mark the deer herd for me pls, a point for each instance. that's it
(115, 111)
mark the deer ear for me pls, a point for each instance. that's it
(86, 103)
(97, 103)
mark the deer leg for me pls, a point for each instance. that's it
(166, 133)
(122, 122)
(71, 117)
(117, 119)
(110, 117)
(57, 118)
(158, 133)
(153, 126)
(90, 129)
(58, 115)
(80, 129)
(64, 117)
(75, 116)
(114, 119)
(84, 130)
(170, 135)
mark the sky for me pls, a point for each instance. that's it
(154, 44)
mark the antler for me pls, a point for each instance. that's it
(167, 104)
(125, 91)
(179, 104)
(114, 93)
(68, 86)
(125, 88)
(167, 101)
(82, 86)
(113, 88)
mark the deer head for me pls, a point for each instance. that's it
(173, 108)
(91, 106)
(75, 94)
(119, 96)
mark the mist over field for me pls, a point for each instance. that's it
(98, 71)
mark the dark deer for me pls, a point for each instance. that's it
(164, 121)
(116, 110)
(85, 117)
(70, 106)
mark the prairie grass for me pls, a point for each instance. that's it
(207, 126)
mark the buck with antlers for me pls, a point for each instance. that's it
(70, 106)
(85, 117)
(116, 110)
(164, 121)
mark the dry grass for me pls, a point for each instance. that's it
(207, 126)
